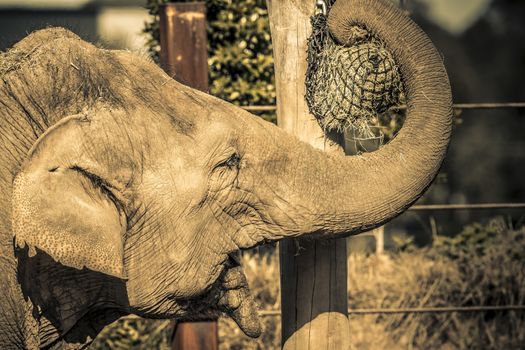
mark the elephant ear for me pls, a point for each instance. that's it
(63, 210)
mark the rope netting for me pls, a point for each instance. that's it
(349, 85)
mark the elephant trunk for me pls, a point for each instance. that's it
(386, 182)
(336, 195)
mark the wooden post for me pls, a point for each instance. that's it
(379, 234)
(184, 56)
(313, 273)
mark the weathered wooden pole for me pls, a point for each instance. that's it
(184, 56)
(313, 273)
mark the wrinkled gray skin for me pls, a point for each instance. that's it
(122, 191)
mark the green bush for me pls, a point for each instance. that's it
(480, 240)
(239, 50)
(240, 59)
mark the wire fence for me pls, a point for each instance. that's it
(472, 206)
(456, 106)
(417, 310)
(392, 311)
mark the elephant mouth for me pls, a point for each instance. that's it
(235, 298)
(230, 295)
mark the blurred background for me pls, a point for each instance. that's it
(115, 24)
(483, 47)
(459, 257)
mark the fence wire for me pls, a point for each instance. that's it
(457, 106)
(471, 206)
(417, 310)
(390, 311)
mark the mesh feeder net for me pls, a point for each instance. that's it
(349, 85)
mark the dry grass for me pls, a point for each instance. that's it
(464, 272)
(441, 276)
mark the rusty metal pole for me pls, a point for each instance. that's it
(195, 336)
(183, 43)
(184, 56)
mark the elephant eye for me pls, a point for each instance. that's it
(233, 161)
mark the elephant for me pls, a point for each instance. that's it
(125, 192)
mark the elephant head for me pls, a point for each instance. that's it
(156, 185)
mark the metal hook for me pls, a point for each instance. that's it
(321, 7)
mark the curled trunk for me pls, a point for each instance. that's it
(386, 182)
(382, 184)
(345, 195)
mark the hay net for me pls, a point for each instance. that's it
(349, 85)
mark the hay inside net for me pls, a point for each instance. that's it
(349, 85)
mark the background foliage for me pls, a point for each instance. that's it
(239, 49)
(241, 67)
